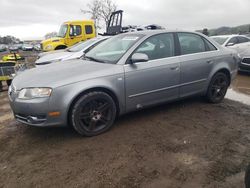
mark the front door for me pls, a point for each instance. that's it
(75, 35)
(154, 81)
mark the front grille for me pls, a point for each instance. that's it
(7, 70)
(246, 61)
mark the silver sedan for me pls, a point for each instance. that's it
(74, 52)
(124, 73)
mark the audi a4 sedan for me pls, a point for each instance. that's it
(125, 73)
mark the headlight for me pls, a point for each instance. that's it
(29, 93)
(49, 47)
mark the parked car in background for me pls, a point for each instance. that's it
(247, 35)
(126, 72)
(27, 47)
(239, 43)
(13, 48)
(37, 47)
(3, 48)
(73, 52)
(19, 46)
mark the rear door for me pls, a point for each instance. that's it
(154, 81)
(196, 62)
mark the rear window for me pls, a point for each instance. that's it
(243, 39)
(210, 46)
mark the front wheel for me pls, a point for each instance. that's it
(93, 113)
(217, 88)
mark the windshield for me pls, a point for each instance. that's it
(111, 50)
(220, 40)
(81, 45)
(63, 30)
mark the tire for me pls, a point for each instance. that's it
(60, 47)
(8, 82)
(93, 113)
(217, 88)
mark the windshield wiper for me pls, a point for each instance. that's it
(94, 59)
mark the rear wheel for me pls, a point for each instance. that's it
(217, 88)
(93, 113)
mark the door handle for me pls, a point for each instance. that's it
(174, 68)
(210, 61)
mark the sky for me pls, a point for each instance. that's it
(32, 19)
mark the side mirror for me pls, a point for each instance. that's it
(139, 57)
(230, 44)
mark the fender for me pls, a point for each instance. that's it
(229, 65)
(68, 97)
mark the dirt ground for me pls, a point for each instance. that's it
(180, 145)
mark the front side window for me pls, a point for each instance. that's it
(233, 41)
(63, 30)
(75, 30)
(88, 29)
(111, 50)
(191, 43)
(157, 47)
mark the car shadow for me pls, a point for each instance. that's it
(68, 133)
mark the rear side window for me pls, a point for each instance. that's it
(75, 30)
(158, 46)
(243, 39)
(209, 46)
(88, 29)
(191, 43)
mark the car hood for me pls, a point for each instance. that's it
(59, 74)
(53, 39)
(53, 56)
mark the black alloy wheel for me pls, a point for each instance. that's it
(217, 88)
(93, 114)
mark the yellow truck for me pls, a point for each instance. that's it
(69, 34)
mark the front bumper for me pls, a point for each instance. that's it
(33, 112)
(244, 65)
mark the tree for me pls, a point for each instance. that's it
(9, 40)
(50, 35)
(100, 10)
(205, 31)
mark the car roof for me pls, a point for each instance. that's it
(226, 35)
(159, 31)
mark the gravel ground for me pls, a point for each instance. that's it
(179, 145)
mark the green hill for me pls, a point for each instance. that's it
(229, 30)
